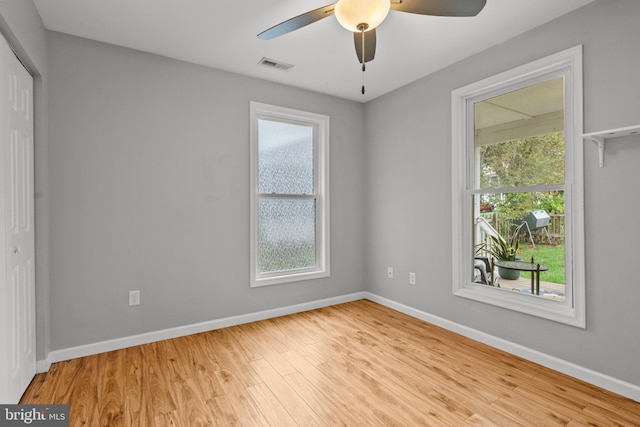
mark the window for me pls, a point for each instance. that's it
(518, 183)
(289, 195)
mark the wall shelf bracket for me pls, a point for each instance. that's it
(600, 137)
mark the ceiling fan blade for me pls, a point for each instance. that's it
(297, 22)
(439, 7)
(369, 45)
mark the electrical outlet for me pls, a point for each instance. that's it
(412, 278)
(390, 272)
(134, 297)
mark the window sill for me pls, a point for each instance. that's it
(288, 278)
(558, 311)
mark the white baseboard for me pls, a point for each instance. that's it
(615, 385)
(130, 341)
(42, 366)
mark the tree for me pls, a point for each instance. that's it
(524, 162)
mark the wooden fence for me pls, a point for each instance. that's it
(503, 223)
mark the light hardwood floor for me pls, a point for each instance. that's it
(356, 364)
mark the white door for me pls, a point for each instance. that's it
(17, 292)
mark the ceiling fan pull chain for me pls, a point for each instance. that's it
(364, 67)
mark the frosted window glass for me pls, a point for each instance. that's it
(287, 234)
(285, 158)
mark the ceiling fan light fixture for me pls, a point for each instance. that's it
(351, 14)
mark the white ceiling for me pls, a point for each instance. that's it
(222, 34)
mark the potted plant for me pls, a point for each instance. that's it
(502, 249)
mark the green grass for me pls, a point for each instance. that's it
(551, 256)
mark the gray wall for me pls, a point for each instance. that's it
(149, 189)
(20, 24)
(149, 178)
(408, 204)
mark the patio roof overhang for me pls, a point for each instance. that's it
(530, 111)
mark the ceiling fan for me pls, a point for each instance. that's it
(363, 16)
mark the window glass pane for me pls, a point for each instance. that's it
(519, 137)
(287, 234)
(285, 159)
(523, 227)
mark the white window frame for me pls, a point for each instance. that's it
(571, 311)
(320, 123)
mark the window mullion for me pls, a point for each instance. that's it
(286, 196)
(526, 189)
